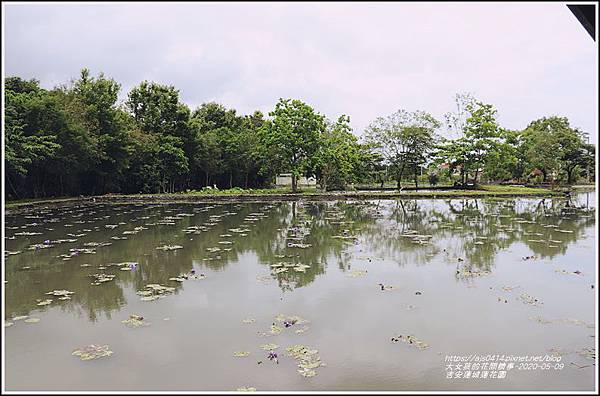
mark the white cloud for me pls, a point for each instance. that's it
(360, 59)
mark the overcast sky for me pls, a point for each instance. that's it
(361, 59)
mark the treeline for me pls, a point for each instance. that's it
(76, 139)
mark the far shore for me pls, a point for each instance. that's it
(263, 195)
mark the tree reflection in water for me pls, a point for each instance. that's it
(340, 233)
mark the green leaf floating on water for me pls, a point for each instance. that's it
(241, 354)
(91, 352)
(269, 347)
(248, 321)
(32, 320)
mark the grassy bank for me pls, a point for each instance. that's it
(280, 194)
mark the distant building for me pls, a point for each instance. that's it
(285, 180)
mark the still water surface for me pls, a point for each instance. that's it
(321, 262)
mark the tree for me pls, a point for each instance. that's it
(291, 139)
(215, 130)
(338, 155)
(173, 162)
(404, 139)
(482, 142)
(106, 124)
(156, 109)
(457, 120)
(249, 159)
(483, 134)
(553, 147)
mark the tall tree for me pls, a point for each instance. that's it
(404, 139)
(292, 138)
(338, 156)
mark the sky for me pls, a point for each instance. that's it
(364, 60)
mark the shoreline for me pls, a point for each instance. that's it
(223, 196)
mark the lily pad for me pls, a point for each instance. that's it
(60, 293)
(527, 299)
(308, 359)
(135, 321)
(275, 329)
(91, 352)
(269, 347)
(32, 320)
(169, 247)
(241, 354)
(357, 273)
(412, 340)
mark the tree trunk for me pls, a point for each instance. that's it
(399, 177)
(570, 175)
(231, 179)
(294, 183)
(416, 178)
(246, 180)
(12, 187)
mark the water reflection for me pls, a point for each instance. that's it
(465, 232)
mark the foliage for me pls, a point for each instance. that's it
(404, 140)
(78, 139)
(291, 139)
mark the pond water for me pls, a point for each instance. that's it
(462, 277)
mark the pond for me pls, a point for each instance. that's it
(341, 295)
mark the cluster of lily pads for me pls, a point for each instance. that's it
(527, 299)
(188, 276)
(24, 318)
(154, 291)
(281, 267)
(575, 322)
(91, 352)
(61, 294)
(101, 278)
(308, 359)
(565, 272)
(169, 247)
(411, 340)
(357, 273)
(468, 273)
(135, 321)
